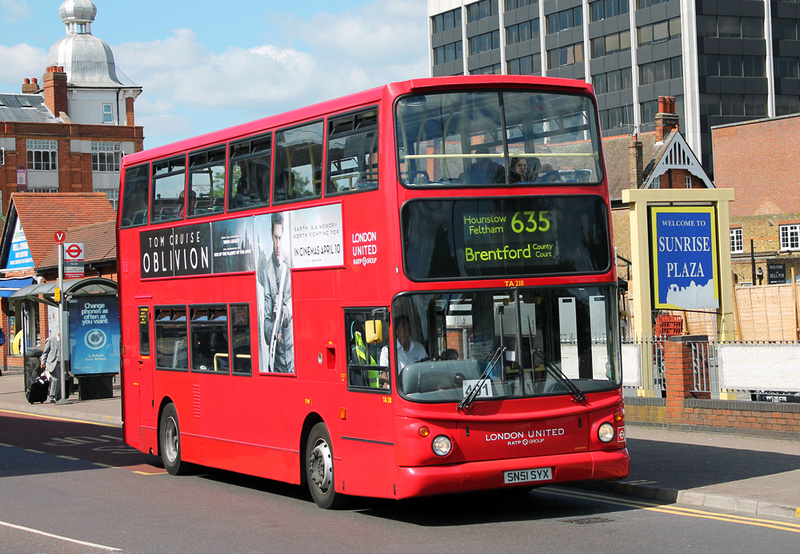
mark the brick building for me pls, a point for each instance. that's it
(29, 255)
(759, 160)
(69, 132)
(65, 135)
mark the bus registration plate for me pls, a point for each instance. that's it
(528, 475)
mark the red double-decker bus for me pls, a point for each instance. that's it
(408, 291)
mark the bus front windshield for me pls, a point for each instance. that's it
(515, 343)
(506, 137)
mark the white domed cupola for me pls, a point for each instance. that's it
(78, 15)
(87, 60)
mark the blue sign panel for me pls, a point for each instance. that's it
(19, 256)
(94, 335)
(684, 253)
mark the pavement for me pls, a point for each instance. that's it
(749, 475)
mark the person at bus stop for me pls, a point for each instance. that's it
(408, 350)
(278, 304)
(51, 364)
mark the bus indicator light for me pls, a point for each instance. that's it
(424, 431)
(343, 413)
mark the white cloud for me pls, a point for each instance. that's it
(15, 10)
(341, 54)
(21, 61)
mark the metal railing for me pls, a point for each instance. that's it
(650, 377)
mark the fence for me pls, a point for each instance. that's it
(741, 370)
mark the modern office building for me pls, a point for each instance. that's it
(724, 61)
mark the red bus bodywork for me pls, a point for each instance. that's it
(258, 423)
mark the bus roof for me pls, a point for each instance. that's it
(352, 101)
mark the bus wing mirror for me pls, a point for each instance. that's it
(374, 331)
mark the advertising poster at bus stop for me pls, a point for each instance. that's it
(684, 255)
(94, 335)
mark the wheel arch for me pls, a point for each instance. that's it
(311, 419)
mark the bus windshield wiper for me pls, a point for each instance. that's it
(553, 370)
(467, 401)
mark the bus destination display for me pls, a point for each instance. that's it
(499, 237)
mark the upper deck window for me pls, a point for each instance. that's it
(169, 183)
(353, 152)
(206, 182)
(134, 201)
(479, 138)
(249, 173)
(298, 163)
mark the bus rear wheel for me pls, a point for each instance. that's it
(169, 441)
(319, 469)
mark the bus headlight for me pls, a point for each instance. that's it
(441, 445)
(605, 432)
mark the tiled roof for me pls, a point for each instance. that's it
(26, 108)
(99, 243)
(618, 159)
(43, 214)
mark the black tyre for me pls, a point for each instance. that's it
(169, 442)
(319, 469)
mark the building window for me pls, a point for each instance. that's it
(514, 4)
(566, 55)
(688, 180)
(522, 32)
(737, 241)
(42, 155)
(106, 156)
(108, 113)
(611, 44)
(647, 3)
(790, 237)
(481, 10)
(447, 53)
(786, 67)
(527, 65)
(661, 70)
(603, 9)
(659, 32)
(493, 69)
(112, 195)
(565, 19)
(446, 21)
(484, 43)
(613, 81)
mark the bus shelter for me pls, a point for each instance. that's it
(90, 327)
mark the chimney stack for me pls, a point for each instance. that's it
(30, 86)
(666, 119)
(635, 163)
(55, 90)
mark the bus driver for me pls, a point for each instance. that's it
(409, 351)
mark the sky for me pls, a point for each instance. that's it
(206, 66)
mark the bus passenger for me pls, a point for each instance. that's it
(408, 350)
(484, 169)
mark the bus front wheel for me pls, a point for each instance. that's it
(319, 469)
(169, 441)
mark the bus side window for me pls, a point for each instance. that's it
(352, 152)
(364, 352)
(134, 200)
(172, 348)
(206, 182)
(298, 163)
(249, 173)
(209, 335)
(169, 184)
(240, 339)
